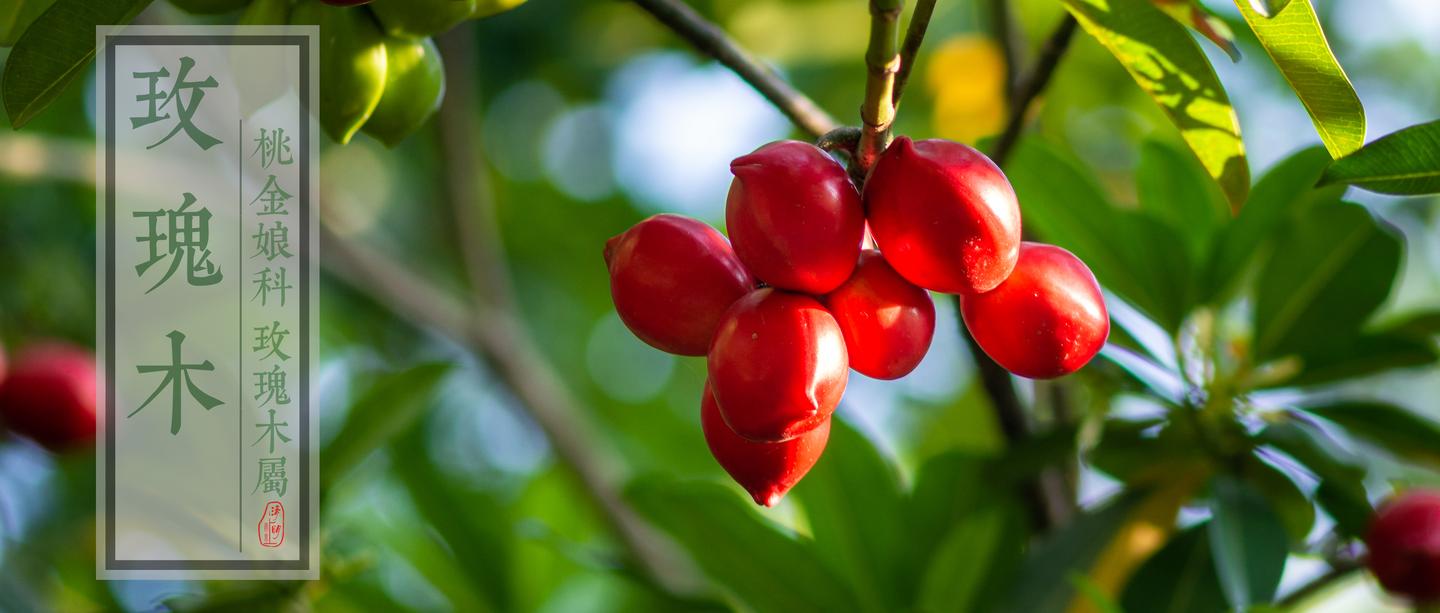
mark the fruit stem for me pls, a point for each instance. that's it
(882, 62)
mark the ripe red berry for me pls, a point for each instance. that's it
(944, 215)
(672, 278)
(766, 470)
(777, 365)
(49, 396)
(886, 320)
(1048, 319)
(1404, 543)
(795, 217)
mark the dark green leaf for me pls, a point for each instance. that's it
(1389, 427)
(738, 549)
(952, 580)
(1040, 585)
(1248, 541)
(1290, 33)
(1327, 275)
(1180, 578)
(1341, 492)
(16, 15)
(54, 50)
(1405, 163)
(1285, 498)
(1363, 355)
(1133, 254)
(1169, 66)
(1424, 325)
(1173, 187)
(389, 406)
(843, 517)
(1196, 16)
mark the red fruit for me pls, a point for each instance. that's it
(777, 365)
(49, 396)
(672, 278)
(766, 470)
(795, 217)
(944, 215)
(1404, 542)
(887, 321)
(1048, 319)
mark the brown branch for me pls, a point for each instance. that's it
(882, 62)
(914, 37)
(709, 39)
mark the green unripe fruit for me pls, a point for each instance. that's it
(414, 87)
(486, 8)
(209, 7)
(420, 18)
(266, 13)
(352, 66)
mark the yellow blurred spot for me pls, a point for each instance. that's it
(966, 79)
(825, 31)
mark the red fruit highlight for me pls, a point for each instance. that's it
(887, 321)
(1404, 542)
(1047, 320)
(672, 278)
(795, 217)
(766, 470)
(777, 365)
(49, 397)
(944, 215)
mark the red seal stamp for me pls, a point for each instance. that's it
(272, 525)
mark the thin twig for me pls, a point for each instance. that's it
(882, 61)
(914, 37)
(709, 39)
(1008, 35)
(1029, 89)
(498, 332)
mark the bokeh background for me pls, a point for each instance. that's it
(590, 116)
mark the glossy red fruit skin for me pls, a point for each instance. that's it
(1047, 320)
(944, 215)
(887, 321)
(766, 470)
(777, 365)
(49, 397)
(672, 278)
(795, 217)
(1404, 543)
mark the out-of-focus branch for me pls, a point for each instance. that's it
(882, 62)
(709, 39)
(1008, 36)
(1030, 88)
(914, 37)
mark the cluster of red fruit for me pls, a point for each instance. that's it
(49, 396)
(798, 301)
(1404, 544)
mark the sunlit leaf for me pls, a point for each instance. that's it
(738, 549)
(54, 50)
(1268, 8)
(1327, 275)
(1248, 541)
(1405, 163)
(1392, 428)
(1172, 69)
(1294, 40)
(1198, 17)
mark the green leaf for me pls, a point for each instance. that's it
(1284, 190)
(1290, 504)
(54, 50)
(1174, 187)
(1291, 34)
(843, 517)
(1422, 326)
(389, 406)
(1406, 162)
(1180, 578)
(1248, 541)
(1327, 275)
(1268, 8)
(1162, 58)
(1389, 427)
(1341, 492)
(17, 15)
(739, 549)
(952, 580)
(1196, 16)
(1092, 592)
(1364, 355)
(1040, 585)
(1130, 252)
